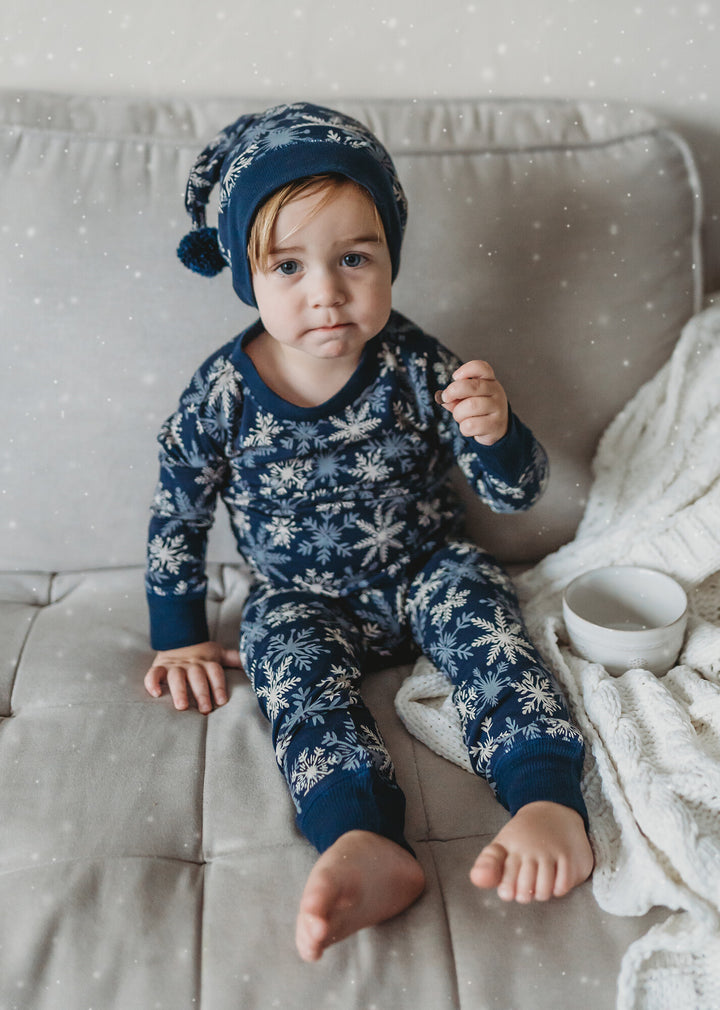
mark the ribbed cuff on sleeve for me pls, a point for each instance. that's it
(177, 621)
(503, 457)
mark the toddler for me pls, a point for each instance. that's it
(329, 428)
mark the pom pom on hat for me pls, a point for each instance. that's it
(199, 251)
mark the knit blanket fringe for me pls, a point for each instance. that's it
(652, 773)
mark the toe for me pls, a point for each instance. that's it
(488, 868)
(321, 895)
(563, 879)
(507, 888)
(545, 881)
(526, 886)
(311, 936)
(572, 870)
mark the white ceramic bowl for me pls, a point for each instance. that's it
(626, 618)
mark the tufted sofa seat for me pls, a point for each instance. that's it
(149, 858)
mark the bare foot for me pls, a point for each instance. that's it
(541, 853)
(359, 881)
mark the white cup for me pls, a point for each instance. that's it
(626, 618)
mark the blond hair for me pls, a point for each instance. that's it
(261, 232)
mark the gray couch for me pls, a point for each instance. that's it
(149, 859)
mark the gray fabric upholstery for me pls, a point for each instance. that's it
(557, 241)
(149, 858)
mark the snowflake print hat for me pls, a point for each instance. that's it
(258, 154)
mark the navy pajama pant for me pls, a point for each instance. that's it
(304, 654)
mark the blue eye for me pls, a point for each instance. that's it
(288, 268)
(353, 259)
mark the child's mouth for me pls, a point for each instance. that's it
(331, 328)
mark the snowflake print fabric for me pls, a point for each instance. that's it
(333, 496)
(346, 516)
(509, 705)
(304, 654)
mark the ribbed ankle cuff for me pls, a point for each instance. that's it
(539, 774)
(359, 801)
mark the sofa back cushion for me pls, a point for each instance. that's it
(557, 240)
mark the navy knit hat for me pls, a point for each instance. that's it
(258, 154)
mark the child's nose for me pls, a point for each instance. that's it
(327, 289)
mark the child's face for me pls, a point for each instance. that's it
(326, 288)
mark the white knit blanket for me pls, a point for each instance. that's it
(652, 775)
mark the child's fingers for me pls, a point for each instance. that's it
(198, 684)
(476, 406)
(486, 429)
(476, 369)
(207, 682)
(461, 389)
(474, 378)
(216, 677)
(472, 425)
(153, 680)
(198, 678)
(177, 682)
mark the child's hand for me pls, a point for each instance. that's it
(198, 668)
(477, 401)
